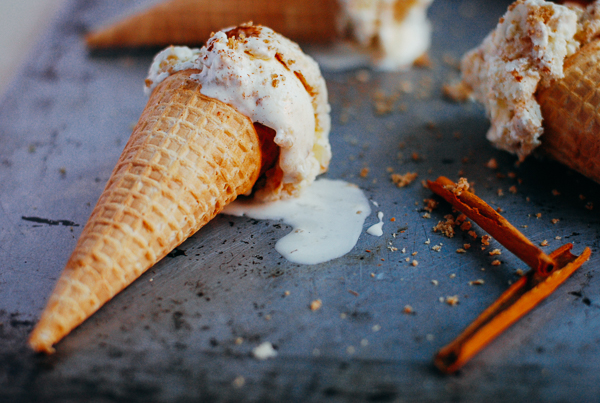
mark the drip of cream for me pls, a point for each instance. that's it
(327, 218)
(377, 229)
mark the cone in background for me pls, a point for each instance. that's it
(571, 112)
(190, 22)
(188, 157)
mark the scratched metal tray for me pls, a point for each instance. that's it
(175, 333)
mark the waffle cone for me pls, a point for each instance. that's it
(571, 112)
(187, 158)
(190, 22)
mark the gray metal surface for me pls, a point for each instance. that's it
(173, 334)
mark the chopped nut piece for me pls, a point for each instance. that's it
(430, 204)
(485, 240)
(492, 164)
(404, 180)
(495, 252)
(452, 300)
(316, 305)
(446, 227)
(466, 226)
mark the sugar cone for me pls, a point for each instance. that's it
(187, 158)
(571, 112)
(190, 22)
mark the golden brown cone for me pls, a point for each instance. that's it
(571, 112)
(190, 22)
(187, 158)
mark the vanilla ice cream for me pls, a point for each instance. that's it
(269, 79)
(398, 29)
(527, 49)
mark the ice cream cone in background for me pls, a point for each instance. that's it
(571, 112)
(190, 22)
(187, 158)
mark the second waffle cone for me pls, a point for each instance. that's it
(571, 112)
(187, 158)
(190, 22)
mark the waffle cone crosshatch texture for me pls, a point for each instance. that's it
(187, 158)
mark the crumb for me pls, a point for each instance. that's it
(239, 382)
(426, 215)
(555, 221)
(581, 197)
(452, 300)
(364, 172)
(589, 206)
(500, 210)
(473, 234)
(500, 192)
(446, 227)
(477, 282)
(415, 157)
(428, 241)
(496, 263)
(376, 328)
(544, 243)
(415, 253)
(467, 246)
(415, 263)
(403, 250)
(512, 189)
(430, 204)
(485, 240)
(435, 282)
(287, 293)
(393, 219)
(558, 238)
(404, 180)
(555, 192)
(500, 175)
(239, 341)
(408, 309)
(436, 248)
(538, 215)
(353, 293)
(492, 164)
(495, 252)
(363, 76)
(458, 92)
(466, 226)
(372, 275)
(461, 250)
(452, 275)
(350, 350)
(520, 272)
(316, 305)
(461, 186)
(264, 351)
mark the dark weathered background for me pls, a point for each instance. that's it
(172, 334)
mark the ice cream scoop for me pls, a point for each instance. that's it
(537, 76)
(196, 147)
